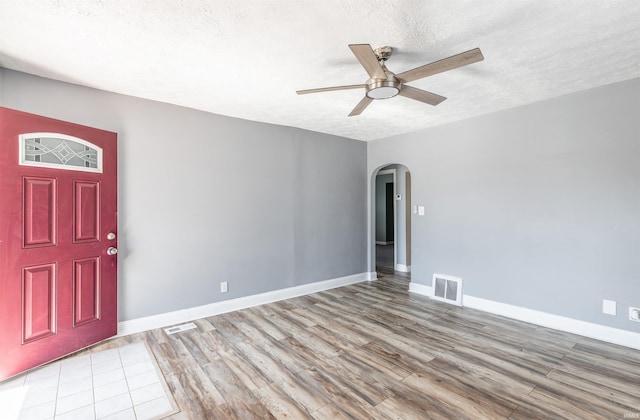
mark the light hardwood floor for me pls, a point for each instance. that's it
(372, 350)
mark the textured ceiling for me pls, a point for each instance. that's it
(246, 59)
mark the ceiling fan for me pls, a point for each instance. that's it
(384, 84)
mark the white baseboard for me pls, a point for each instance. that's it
(184, 315)
(586, 329)
(557, 322)
(373, 275)
(403, 268)
(421, 289)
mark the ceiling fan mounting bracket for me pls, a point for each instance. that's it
(383, 53)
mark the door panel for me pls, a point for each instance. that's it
(86, 209)
(38, 302)
(39, 220)
(58, 286)
(86, 291)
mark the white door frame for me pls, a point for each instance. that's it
(392, 171)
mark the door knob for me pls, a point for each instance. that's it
(112, 251)
(111, 236)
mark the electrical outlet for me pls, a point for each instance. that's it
(634, 314)
(223, 287)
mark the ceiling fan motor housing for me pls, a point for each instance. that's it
(383, 88)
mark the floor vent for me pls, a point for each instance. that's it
(447, 289)
(180, 328)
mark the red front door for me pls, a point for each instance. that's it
(58, 215)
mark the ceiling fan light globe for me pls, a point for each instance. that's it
(383, 92)
(383, 88)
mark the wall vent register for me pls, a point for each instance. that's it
(447, 289)
(180, 328)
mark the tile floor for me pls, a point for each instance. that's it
(121, 383)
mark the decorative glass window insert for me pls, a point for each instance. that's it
(53, 150)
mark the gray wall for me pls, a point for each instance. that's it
(206, 198)
(537, 206)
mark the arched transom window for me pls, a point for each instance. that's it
(53, 150)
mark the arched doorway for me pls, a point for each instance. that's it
(390, 245)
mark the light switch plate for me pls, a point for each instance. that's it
(414, 209)
(420, 210)
(608, 307)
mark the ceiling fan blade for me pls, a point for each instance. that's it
(365, 55)
(361, 106)
(421, 95)
(327, 89)
(453, 62)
